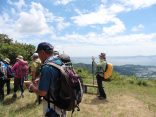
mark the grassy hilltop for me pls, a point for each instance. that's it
(126, 97)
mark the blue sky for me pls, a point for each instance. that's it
(83, 27)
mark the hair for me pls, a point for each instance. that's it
(48, 52)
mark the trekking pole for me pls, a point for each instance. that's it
(93, 71)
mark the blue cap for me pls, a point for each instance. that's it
(44, 46)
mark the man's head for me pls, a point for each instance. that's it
(35, 56)
(44, 50)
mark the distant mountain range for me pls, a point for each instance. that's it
(121, 60)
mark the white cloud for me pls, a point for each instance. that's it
(19, 4)
(93, 44)
(101, 16)
(116, 8)
(137, 4)
(104, 1)
(63, 2)
(118, 27)
(38, 21)
(7, 26)
(105, 40)
(138, 28)
(34, 21)
(61, 24)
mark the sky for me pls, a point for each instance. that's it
(83, 28)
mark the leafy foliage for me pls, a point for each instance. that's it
(12, 49)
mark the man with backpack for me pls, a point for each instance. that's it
(59, 93)
(20, 70)
(100, 69)
(49, 75)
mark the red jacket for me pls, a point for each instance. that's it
(20, 69)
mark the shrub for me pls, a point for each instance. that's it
(139, 82)
(142, 82)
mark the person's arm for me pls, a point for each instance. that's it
(14, 67)
(93, 61)
(33, 88)
(33, 71)
(42, 88)
(33, 74)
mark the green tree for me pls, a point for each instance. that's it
(12, 49)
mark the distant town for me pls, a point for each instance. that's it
(140, 71)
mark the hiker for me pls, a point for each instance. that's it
(35, 67)
(3, 76)
(100, 69)
(9, 74)
(49, 76)
(65, 58)
(35, 71)
(20, 70)
(55, 53)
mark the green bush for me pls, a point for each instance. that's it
(142, 82)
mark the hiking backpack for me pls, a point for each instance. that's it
(3, 71)
(70, 89)
(9, 72)
(108, 72)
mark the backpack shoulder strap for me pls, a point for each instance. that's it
(56, 66)
(53, 64)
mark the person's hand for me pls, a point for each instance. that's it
(93, 58)
(35, 82)
(27, 83)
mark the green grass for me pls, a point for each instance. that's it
(124, 94)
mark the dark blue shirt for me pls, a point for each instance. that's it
(49, 76)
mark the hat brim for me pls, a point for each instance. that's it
(6, 61)
(19, 59)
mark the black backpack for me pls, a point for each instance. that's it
(9, 72)
(70, 89)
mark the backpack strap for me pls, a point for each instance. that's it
(56, 66)
(49, 95)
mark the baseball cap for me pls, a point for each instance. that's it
(44, 46)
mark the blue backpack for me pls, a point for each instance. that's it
(2, 70)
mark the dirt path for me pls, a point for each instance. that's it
(116, 106)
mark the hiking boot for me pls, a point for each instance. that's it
(14, 95)
(1, 98)
(22, 95)
(102, 98)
